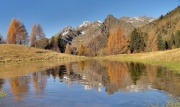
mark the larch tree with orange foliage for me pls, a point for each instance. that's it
(110, 44)
(11, 34)
(81, 49)
(68, 51)
(17, 33)
(117, 42)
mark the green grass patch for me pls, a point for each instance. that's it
(2, 94)
(170, 65)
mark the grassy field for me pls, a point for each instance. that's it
(169, 58)
(18, 53)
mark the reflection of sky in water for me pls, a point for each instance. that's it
(44, 89)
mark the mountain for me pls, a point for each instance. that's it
(88, 31)
(139, 21)
(111, 22)
(165, 27)
(94, 35)
(150, 34)
(84, 24)
(66, 30)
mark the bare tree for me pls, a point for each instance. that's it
(40, 32)
(34, 35)
(37, 36)
(1, 39)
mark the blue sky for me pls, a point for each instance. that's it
(54, 15)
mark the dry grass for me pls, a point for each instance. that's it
(167, 56)
(18, 53)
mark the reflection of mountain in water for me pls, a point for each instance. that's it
(117, 76)
(113, 76)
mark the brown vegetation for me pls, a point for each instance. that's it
(17, 33)
(68, 49)
(11, 34)
(81, 49)
(18, 53)
(167, 56)
(117, 42)
(38, 37)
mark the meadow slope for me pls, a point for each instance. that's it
(19, 53)
(168, 58)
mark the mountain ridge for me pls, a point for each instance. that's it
(138, 21)
(94, 35)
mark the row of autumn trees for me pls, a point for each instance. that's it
(17, 34)
(115, 43)
(118, 43)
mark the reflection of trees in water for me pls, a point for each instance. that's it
(94, 74)
(118, 76)
(81, 65)
(1, 83)
(57, 71)
(168, 81)
(136, 70)
(115, 76)
(19, 85)
(39, 80)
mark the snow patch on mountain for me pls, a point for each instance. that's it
(66, 30)
(99, 21)
(83, 32)
(85, 24)
(138, 21)
(64, 33)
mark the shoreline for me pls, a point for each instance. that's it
(17, 54)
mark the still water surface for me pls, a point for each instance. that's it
(88, 84)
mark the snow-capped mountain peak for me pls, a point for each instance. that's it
(66, 30)
(99, 21)
(85, 24)
(142, 19)
(138, 21)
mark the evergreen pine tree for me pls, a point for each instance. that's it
(160, 43)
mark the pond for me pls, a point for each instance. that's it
(88, 84)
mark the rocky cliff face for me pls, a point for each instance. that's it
(112, 22)
(66, 30)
